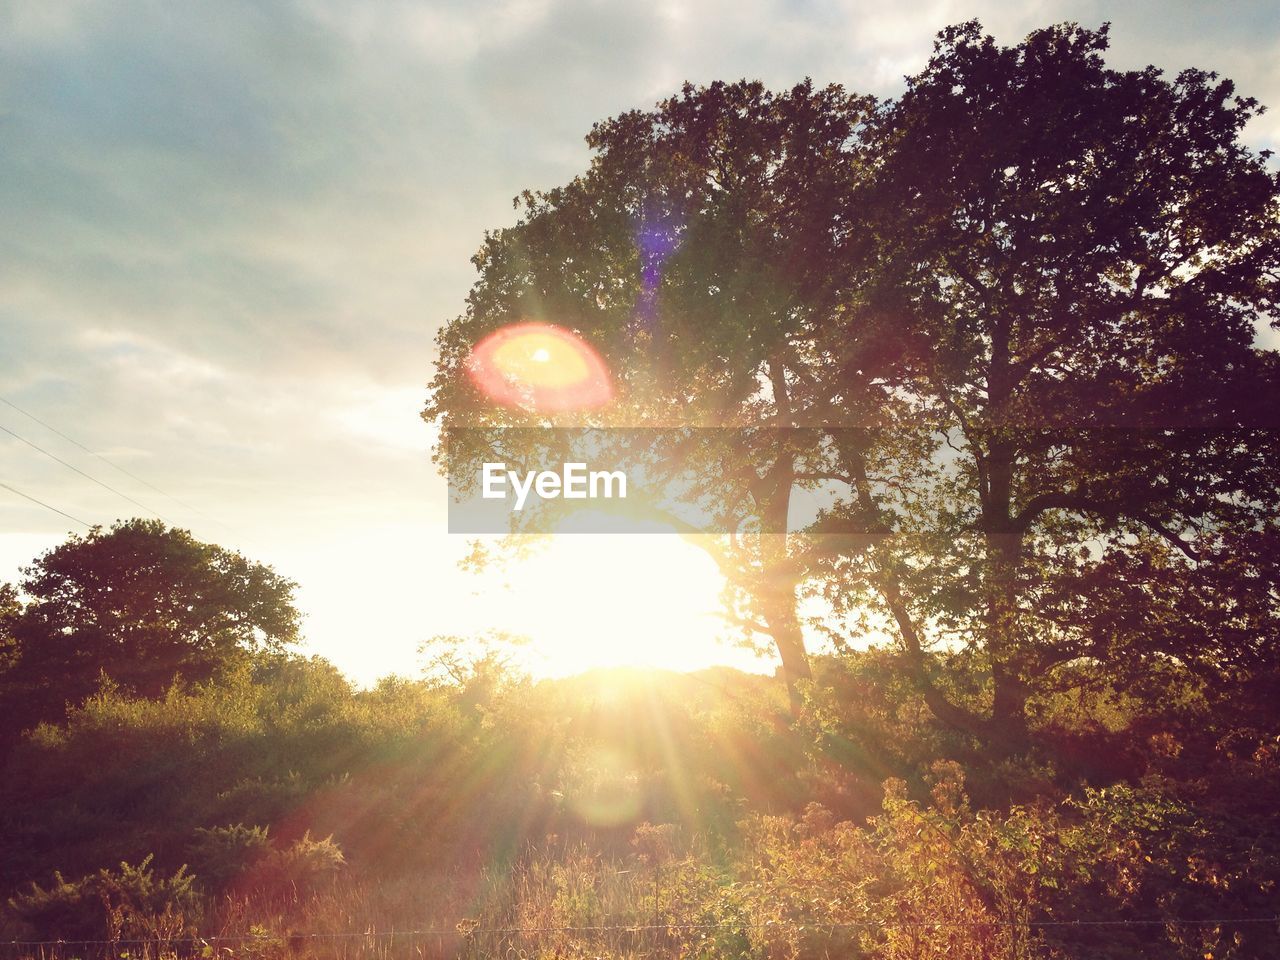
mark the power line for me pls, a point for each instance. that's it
(110, 463)
(27, 496)
(119, 469)
(69, 466)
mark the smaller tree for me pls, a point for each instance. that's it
(140, 603)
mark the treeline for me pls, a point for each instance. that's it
(634, 813)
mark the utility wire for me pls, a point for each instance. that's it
(110, 463)
(87, 476)
(119, 469)
(27, 496)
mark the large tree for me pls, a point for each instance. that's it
(701, 254)
(143, 604)
(1020, 301)
(1071, 263)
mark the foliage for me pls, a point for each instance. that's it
(706, 241)
(1069, 262)
(131, 902)
(1018, 304)
(306, 862)
(125, 775)
(142, 604)
(710, 846)
(222, 854)
(1022, 297)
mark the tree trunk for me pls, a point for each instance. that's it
(1004, 552)
(784, 626)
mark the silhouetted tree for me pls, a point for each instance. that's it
(1022, 302)
(1065, 266)
(141, 603)
(701, 254)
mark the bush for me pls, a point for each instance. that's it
(223, 854)
(306, 862)
(129, 903)
(243, 857)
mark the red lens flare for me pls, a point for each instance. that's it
(540, 367)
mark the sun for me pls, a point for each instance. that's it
(589, 601)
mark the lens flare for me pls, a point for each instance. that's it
(605, 791)
(541, 367)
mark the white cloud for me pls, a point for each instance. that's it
(240, 223)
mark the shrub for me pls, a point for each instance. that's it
(131, 903)
(223, 854)
(307, 862)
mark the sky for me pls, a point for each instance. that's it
(231, 229)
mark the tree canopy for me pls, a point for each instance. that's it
(1021, 302)
(700, 254)
(142, 604)
(1074, 261)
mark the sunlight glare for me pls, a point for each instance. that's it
(541, 367)
(609, 600)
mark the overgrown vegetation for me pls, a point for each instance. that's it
(685, 814)
(1047, 723)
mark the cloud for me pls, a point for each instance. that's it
(234, 226)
